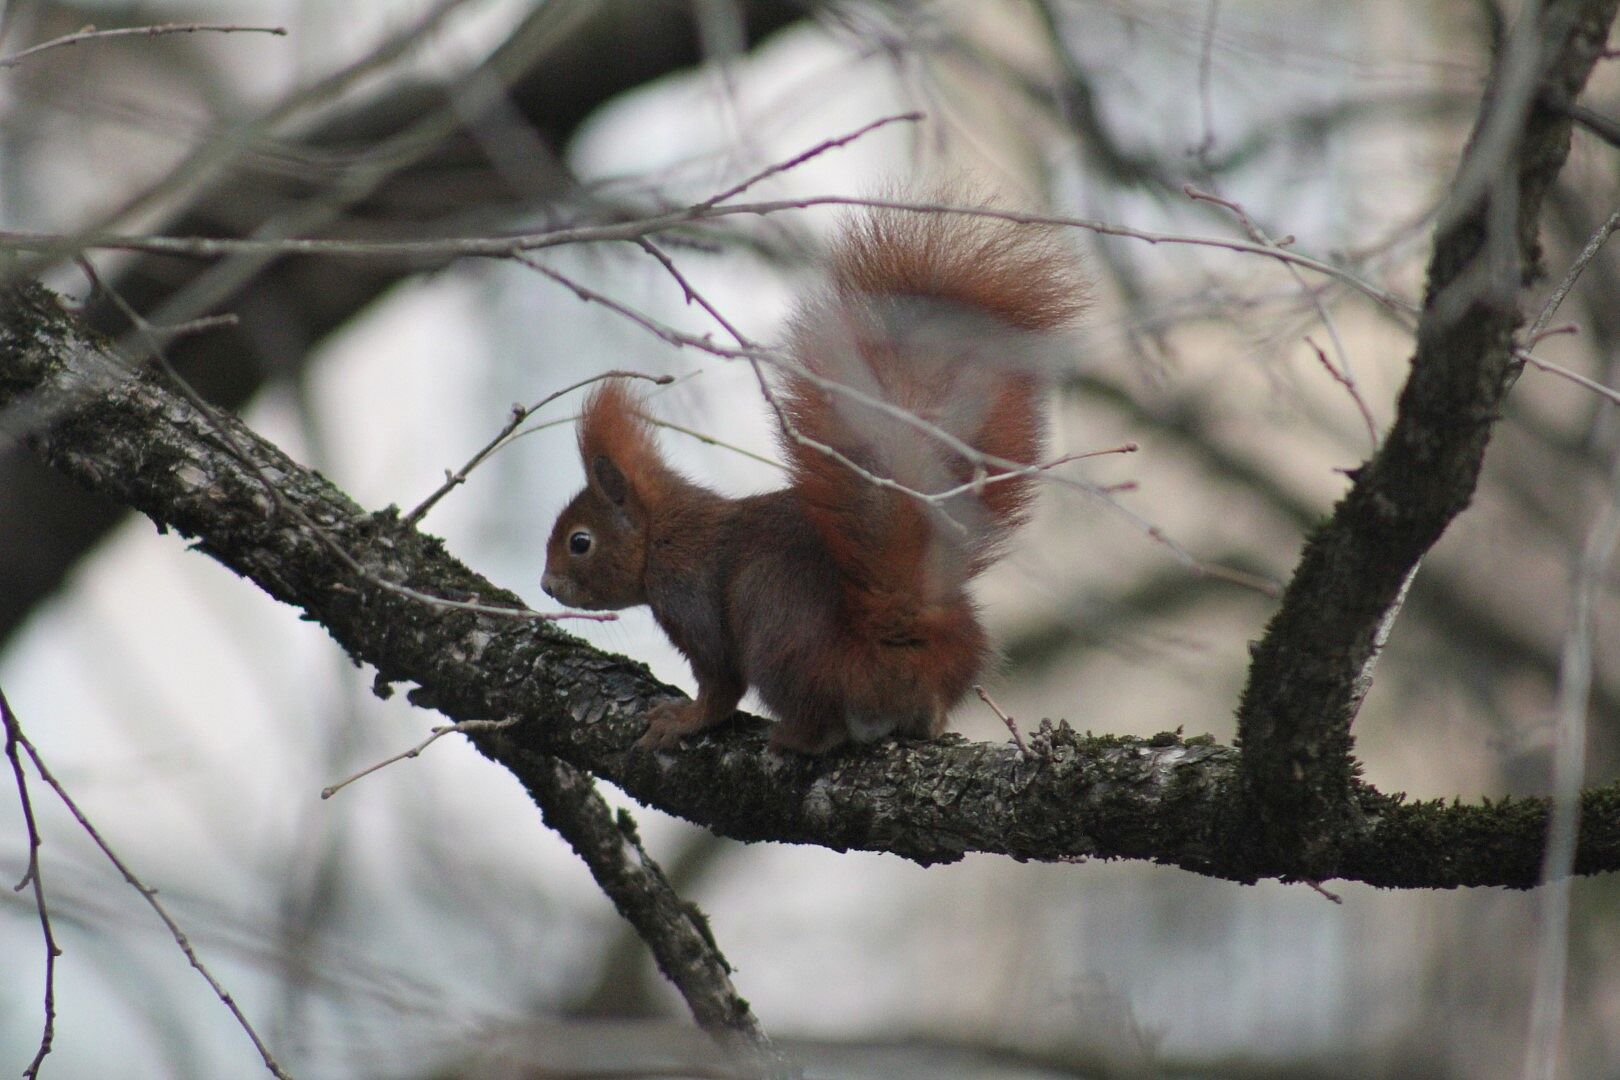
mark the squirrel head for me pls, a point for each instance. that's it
(597, 555)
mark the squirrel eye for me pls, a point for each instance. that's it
(579, 543)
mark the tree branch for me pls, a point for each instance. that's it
(1169, 800)
(58, 382)
(1314, 664)
(676, 931)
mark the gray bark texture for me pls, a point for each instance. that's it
(1289, 804)
(1180, 802)
(1313, 666)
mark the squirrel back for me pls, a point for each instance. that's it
(910, 412)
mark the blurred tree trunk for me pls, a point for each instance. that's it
(493, 163)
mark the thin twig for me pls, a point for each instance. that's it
(520, 413)
(589, 295)
(437, 733)
(228, 440)
(691, 293)
(799, 159)
(31, 877)
(1012, 725)
(1551, 331)
(150, 896)
(440, 602)
(710, 440)
(1316, 887)
(1350, 388)
(1593, 245)
(1564, 373)
(90, 33)
(560, 421)
(1341, 373)
(505, 247)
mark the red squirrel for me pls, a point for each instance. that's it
(842, 598)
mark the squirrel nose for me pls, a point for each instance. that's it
(547, 585)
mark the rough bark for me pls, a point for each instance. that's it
(1312, 667)
(59, 380)
(1170, 800)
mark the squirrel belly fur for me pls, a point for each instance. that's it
(842, 598)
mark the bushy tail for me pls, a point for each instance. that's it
(921, 368)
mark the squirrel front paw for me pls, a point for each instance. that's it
(669, 722)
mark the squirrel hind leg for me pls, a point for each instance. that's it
(809, 733)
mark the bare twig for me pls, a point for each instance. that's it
(710, 440)
(1012, 725)
(1349, 384)
(1565, 373)
(520, 413)
(90, 33)
(505, 247)
(1265, 586)
(206, 409)
(1341, 373)
(31, 877)
(1550, 332)
(457, 605)
(799, 159)
(1593, 245)
(589, 295)
(14, 732)
(1316, 887)
(691, 293)
(436, 734)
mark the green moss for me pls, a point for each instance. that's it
(34, 331)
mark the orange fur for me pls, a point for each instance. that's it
(1017, 273)
(612, 426)
(1005, 284)
(842, 600)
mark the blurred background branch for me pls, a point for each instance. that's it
(483, 151)
(191, 715)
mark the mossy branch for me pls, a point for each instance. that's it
(1169, 800)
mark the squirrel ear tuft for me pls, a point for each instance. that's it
(610, 480)
(617, 448)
